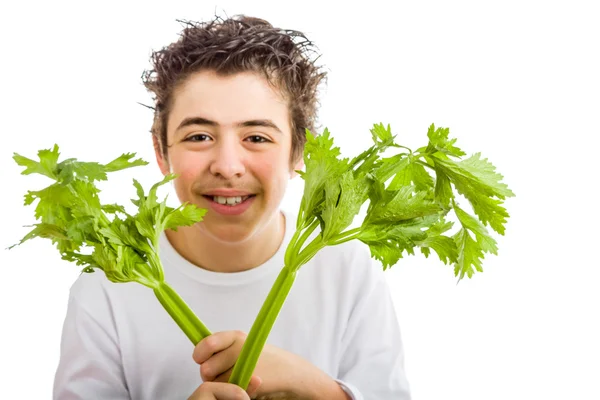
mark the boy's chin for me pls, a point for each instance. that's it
(228, 234)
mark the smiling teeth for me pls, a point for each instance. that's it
(230, 201)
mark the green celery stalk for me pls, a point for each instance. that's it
(181, 313)
(257, 337)
(125, 249)
(404, 214)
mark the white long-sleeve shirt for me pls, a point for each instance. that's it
(119, 343)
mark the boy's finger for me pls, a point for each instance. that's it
(212, 344)
(253, 386)
(218, 391)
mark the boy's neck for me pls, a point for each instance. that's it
(210, 254)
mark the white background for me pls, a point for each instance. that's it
(517, 81)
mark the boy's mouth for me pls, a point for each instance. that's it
(228, 200)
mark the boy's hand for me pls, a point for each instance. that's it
(225, 391)
(282, 373)
(218, 353)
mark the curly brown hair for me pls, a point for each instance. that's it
(239, 44)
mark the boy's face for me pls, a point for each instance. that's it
(230, 136)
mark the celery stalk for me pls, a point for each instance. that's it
(257, 337)
(181, 313)
(105, 236)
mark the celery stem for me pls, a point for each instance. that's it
(309, 251)
(297, 241)
(345, 236)
(155, 265)
(298, 245)
(424, 164)
(404, 147)
(181, 313)
(257, 337)
(288, 253)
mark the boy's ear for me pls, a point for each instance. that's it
(163, 164)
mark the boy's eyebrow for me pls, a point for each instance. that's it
(204, 121)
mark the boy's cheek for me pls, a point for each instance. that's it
(187, 176)
(187, 171)
(185, 183)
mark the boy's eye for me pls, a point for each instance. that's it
(197, 138)
(258, 139)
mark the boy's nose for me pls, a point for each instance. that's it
(228, 161)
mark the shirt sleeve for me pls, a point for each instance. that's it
(372, 362)
(90, 362)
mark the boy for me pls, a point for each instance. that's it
(232, 101)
